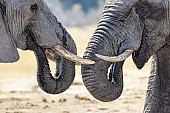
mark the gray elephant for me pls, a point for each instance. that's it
(137, 27)
(30, 25)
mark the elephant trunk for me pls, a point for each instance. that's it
(95, 76)
(115, 33)
(97, 83)
(64, 75)
(65, 69)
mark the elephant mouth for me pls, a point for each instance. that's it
(140, 57)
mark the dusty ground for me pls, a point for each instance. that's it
(19, 92)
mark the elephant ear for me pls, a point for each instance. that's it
(8, 50)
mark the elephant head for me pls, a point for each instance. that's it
(137, 27)
(30, 25)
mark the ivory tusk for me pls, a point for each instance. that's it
(118, 58)
(50, 56)
(70, 56)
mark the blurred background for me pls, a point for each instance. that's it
(77, 12)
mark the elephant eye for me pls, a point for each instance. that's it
(143, 9)
(34, 8)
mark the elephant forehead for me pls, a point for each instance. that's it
(23, 2)
(123, 2)
(111, 2)
(156, 1)
(21, 6)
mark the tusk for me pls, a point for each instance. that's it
(118, 58)
(50, 56)
(70, 56)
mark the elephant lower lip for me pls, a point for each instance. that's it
(139, 58)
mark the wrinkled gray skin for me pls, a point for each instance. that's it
(24, 19)
(141, 25)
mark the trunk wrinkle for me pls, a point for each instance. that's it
(64, 74)
(112, 28)
(99, 86)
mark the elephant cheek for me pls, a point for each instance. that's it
(45, 36)
(46, 29)
(21, 41)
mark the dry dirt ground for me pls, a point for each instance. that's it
(19, 92)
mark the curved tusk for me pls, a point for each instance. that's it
(70, 56)
(118, 58)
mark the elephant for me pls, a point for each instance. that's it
(140, 28)
(31, 25)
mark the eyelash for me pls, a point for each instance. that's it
(34, 8)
